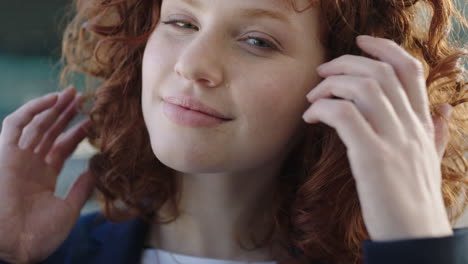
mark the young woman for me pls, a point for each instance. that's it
(247, 132)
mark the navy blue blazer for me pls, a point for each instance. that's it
(95, 240)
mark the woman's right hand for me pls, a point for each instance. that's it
(33, 221)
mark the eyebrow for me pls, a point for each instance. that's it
(257, 12)
(249, 12)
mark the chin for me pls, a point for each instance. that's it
(191, 168)
(191, 160)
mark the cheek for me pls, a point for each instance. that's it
(273, 111)
(155, 73)
(156, 51)
(278, 100)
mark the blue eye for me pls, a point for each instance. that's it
(254, 41)
(180, 24)
(261, 43)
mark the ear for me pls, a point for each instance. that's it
(441, 127)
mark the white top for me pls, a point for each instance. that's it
(158, 256)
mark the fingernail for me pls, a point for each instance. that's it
(363, 37)
(446, 110)
(52, 96)
(321, 68)
(79, 99)
(87, 122)
(69, 89)
(87, 125)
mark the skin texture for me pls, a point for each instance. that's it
(396, 167)
(223, 70)
(228, 170)
(31, 158)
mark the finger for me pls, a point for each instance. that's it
(14, 123)
(408, 69)
(80, 191)
(380, 71)
(441, 127)
(66, 144)
(35, 130)
(58, 127)
(369, 99)
(350, 125)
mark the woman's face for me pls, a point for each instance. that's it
(252, 61)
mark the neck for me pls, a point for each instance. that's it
(216, 211)
(219, 208)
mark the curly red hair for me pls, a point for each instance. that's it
(317, 210)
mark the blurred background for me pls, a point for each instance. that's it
(30, 47)
(30, 36)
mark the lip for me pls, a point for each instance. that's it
(187, 111)
(193, 104)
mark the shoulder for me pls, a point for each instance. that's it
(95, 239)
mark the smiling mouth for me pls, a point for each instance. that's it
(194, 104)
(188, 117)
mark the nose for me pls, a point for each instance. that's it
(201, 60)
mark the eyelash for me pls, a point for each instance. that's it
(178, 22)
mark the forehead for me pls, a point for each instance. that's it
(281, 4)
(288, 5)
(292, 5)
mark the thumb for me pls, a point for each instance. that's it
(441, 127)
(81, 190)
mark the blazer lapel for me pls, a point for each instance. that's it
(120, 243)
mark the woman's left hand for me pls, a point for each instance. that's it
(393, 144)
